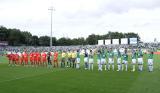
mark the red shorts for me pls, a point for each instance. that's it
(39, 59)
(21, 60)
(17, 59)
(26, 60)
(34, 59)
(31, 59)
(13, 59)
(55, 60)
(44, 60)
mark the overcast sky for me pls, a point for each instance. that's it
(79, 18)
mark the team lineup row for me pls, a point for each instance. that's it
(105, 59)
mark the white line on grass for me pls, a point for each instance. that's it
(31, 76)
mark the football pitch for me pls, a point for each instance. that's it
(66, 80)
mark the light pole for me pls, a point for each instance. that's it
(51, 9)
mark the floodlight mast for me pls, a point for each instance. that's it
(51, 9)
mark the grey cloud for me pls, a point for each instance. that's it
(142, 25)
(120, 6)
(116, 6)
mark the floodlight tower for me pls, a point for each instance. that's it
(51, 9)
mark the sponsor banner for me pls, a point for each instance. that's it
(124, 41)
(133, 40)
(100, 42)
(115, 41)
(107, 42)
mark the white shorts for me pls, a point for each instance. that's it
(125, 62)
(86, 60)
(91, 60)
(110, 61)
(134, 61)
(140, 61)
(150, 62)
(119, 61)
(98, 61)
(78, 60)
(103, 61)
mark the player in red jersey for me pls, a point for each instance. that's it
(21, 58)
(13, 58)
(39, 58)
(36, 54)
(25, 55)
(31, 57)
(16, 59)
(44, 59)
(55, 59)
(35, 58)
(9, 58)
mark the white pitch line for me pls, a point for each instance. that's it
(28, 76)
(11, 80)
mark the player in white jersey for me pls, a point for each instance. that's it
(91, 61)
(99, 60)
(133, 60)
(140, 60)
(150, 61)
(119, 60)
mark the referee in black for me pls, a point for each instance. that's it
(49, 60)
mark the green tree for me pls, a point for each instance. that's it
(64, 41)
(54, 41)
(14, 37)
(35, 40)
(44, 41)
(4, 33)
(27, 38)
(92, 39)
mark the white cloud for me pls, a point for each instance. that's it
(77, 18)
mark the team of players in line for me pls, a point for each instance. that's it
(72, 58)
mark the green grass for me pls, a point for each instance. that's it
(3, 59)
(42, 80)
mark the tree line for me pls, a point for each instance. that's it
(16, 37)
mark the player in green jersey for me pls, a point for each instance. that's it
(103, 59)
(125, 60)
(140, 60)
(110, 59)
